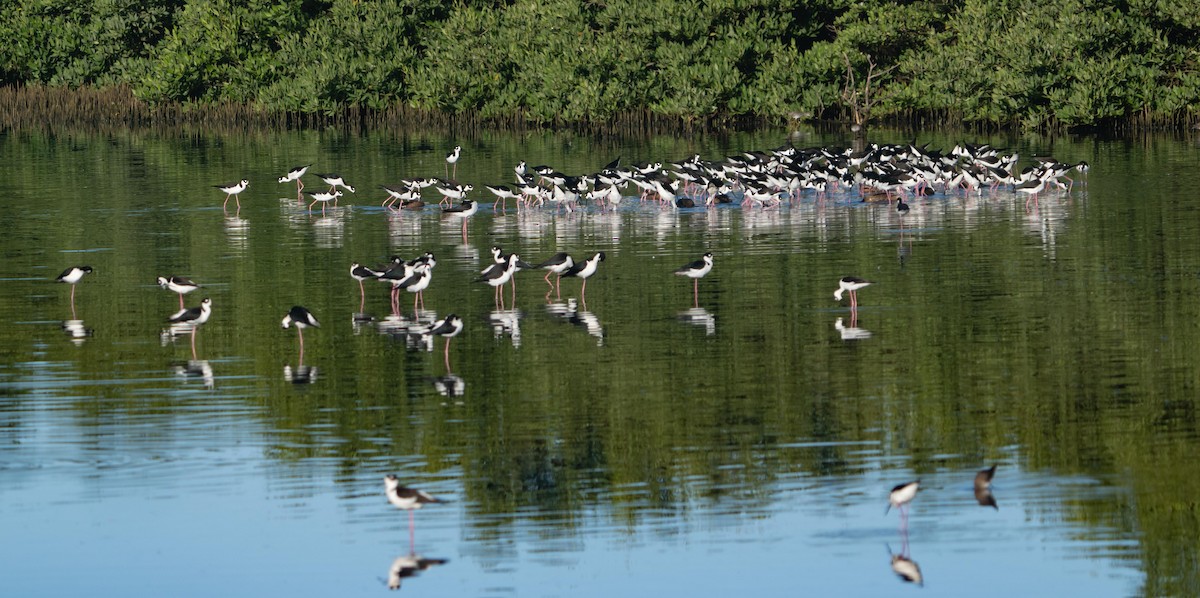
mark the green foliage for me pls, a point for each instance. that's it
(79, 42)
(1040, 63)
(1037, 63)
(356, 54)
(219, 50)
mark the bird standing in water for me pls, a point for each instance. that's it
(695, 271)
(301, 318)
(851, 284)
(407, 499)
(900, 496)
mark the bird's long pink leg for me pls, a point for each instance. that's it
(412, 536)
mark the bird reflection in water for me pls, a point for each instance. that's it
(360, 322)
(76, 331)
(450, 386)
(983, 488)
(238, 231)
(569, 311)
(851, 332)
(903, 565)
(330, 231)
(506, 322)
(178, 329)
(400, 328)
(698, 316)
(197, 368)
(301, 374)
(409, 565)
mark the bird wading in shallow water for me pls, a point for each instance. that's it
(407, 499)
(334, 181)
(294, 175)
(447, 328)
(585, 271)
(233, 190)
(695, 271)
(178, 284)
(452, 158)
(71, 276)
(301, 318)
(900, 496)
(850, 284)
(559, 264)
(194, 316)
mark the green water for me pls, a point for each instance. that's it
(633, 446)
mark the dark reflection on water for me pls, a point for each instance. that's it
(646, 441)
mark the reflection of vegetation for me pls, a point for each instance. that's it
(985, 343)
(994, 61)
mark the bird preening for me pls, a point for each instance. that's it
(71, 276)
(301, 318)
(850, 284)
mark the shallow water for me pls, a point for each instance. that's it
(640, 445)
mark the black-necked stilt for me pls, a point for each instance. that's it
(71, 276)
(697, 270)
(407, 499)
(408, 193)
(294, 175)
(178, 284)
(323, 197)
(851, 284)
(504, 193)
(416, 283)
(188, 321)
(983, 488)
(397, 273)
(585, 271)
(301, 318)
(453, 192)
(194, 316)
(447, 328)
(464, 210)
(1031, 188)
(361, 273)
(497, 275)
(900, 496)
(452, 158)
(499, 257)
(334, 181)
(407, 566)
(558, 265)
(232, 190)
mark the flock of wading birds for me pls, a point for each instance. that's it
(764, 179)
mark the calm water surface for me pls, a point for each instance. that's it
(639, 445)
